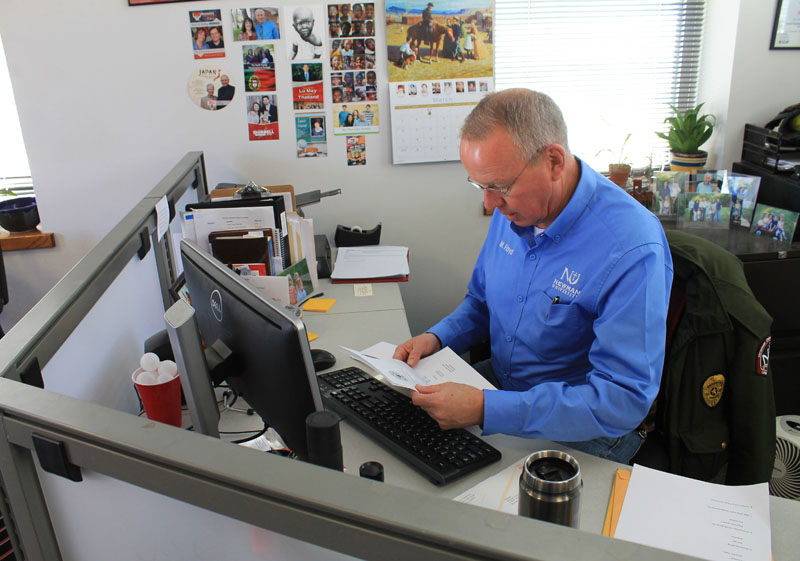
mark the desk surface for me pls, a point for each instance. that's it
(359, 322)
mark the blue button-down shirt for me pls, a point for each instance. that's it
(576, 315)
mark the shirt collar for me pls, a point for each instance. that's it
(577, 203)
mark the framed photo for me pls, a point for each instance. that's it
(775, 223)
(786, 27)
(179, 290)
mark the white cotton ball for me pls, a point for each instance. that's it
(168, 368)
(149, 362)
(146, 378)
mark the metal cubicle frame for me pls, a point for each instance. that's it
(333, 510)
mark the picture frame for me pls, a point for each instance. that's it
(786, 26)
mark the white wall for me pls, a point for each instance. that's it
(101, 90)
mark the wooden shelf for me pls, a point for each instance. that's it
(26, 240)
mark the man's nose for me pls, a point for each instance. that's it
(492, 200)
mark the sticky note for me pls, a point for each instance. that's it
(319, 304)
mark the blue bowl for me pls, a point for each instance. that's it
(19, 214)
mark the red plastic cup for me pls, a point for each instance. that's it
(162, 402)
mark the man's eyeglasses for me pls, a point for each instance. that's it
(504, 191)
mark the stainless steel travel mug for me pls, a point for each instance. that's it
(550, 488)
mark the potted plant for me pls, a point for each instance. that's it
(619, 171)
(18, 214)
(688, 131)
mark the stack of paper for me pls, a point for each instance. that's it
(374, 263)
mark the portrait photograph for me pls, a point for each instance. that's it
(776, 223)
(255, 24)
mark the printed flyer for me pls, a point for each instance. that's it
(255, 24)
(306, 34)
(307, 86)
(262, 117)
(312, 139)
(356, 150)
(206, 29)
(210, 88)
(259, 68)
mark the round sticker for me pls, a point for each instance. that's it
(211, 88)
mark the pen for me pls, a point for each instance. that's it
(555, 300)
(307, 298)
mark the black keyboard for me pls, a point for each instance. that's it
(389, 417)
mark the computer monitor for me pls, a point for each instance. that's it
(269, 345)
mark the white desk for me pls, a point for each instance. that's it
(359, 322)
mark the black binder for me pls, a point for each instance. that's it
(276, 202)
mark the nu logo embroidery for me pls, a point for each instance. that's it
(571, 277)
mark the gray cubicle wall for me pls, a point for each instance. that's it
(152, 491)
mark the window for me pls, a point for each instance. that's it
(613, 66)
(15, 174)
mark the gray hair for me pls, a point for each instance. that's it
(532, 119)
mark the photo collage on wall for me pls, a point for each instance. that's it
(440, 61)
(354, 87)
(312, 36)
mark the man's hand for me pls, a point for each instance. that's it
(416, 348)
(451, 405)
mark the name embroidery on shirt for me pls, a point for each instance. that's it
(507, 248)
(568, 288)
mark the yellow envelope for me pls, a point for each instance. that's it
(311, 336)
(618, 489)
(319, 304)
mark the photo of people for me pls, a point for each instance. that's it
(709, 209)
(306, 32)
(262, 117)
(776, 223)
(351, 20)
(710, 181)
(307, 85)
(431, 40)
(210, 87)
(312, 140)
(355, 117)
(255, 24)
(259, 68)
(206, 30)
(356, 151)
(744, 191)
(669, 185)
(300, 285)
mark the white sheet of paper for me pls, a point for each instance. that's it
(499, 492)
(207, 220)
(705, 520)
(162, 217)
(274, 287)
(443, 366)
(368, 262)
(397, 372)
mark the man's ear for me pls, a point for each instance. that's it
(556, 158)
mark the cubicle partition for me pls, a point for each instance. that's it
(102, 482)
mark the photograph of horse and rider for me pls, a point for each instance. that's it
(429, 39)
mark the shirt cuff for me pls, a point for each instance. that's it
(501, 412)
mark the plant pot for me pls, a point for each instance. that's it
(688, 162)
(619, 173)
(19, 214)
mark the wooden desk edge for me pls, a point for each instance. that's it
(27, 240)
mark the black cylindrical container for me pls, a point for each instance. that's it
(324, 440)
(550, 488)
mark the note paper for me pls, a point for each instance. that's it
(319, 304)
(718, 522)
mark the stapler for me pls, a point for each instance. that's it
(355, 236)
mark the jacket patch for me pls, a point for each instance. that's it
(712, 389)
(762, 360)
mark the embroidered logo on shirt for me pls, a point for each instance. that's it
(712, 389)
(568, 288)
(507, 248)
(762, 360)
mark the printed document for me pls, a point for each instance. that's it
(444, 366)
(371, 262)
(499, 492)
(718, 522)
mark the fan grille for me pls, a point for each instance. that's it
(786, 475)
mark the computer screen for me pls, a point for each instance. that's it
(269, 345)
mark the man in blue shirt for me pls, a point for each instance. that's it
(571, 285)
(265, 29)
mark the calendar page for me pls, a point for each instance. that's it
(441, 63)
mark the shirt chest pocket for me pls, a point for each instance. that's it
(557, 329)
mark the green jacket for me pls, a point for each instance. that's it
(717, 403)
